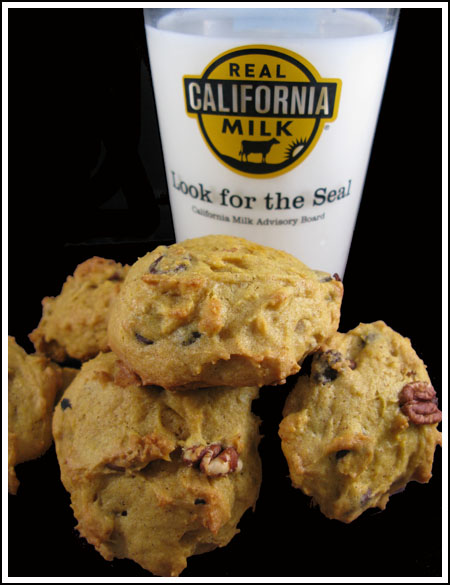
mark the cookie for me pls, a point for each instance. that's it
(156, 476)
(362, 424)
(68, 376)
(33, 382)
(221, 311)
(74, 323)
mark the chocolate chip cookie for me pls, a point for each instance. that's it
(33, 382)
(221, 311)
(156, 476)
(74, 323)
(362, 424)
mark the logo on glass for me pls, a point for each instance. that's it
(261, 109)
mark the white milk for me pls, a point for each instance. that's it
(309, 209)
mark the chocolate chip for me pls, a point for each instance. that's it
(366, 497)
(327, 375)
(192, 338)
(143, 339)
(337, 277)
(332, 356)
(342, 453)
(65, 403)
(199, 501)
(368, 338)
(324, 371)
(115, 467)
(124, 513)
(153, 266)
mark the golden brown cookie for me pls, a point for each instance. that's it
(74, 323)
(33, 382)
(156, 476)
(68, 376)
(362, 424)
(221, 311)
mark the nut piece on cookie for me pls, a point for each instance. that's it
(362, 424)
(213, 460)
(419, 402)
(221, 311)
(33, 383)
(153, 475)
(74, 323)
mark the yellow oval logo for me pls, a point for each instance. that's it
(261, 109)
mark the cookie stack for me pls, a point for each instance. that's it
(155, 436)
(73, 325)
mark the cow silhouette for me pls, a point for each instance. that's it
(256, 146)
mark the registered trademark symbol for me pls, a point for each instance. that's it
(326, 127)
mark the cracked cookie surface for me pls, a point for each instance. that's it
(221, 311)
(348, 434)
(126, 457)
(74, 323)
(33, 383)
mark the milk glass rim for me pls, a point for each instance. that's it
(388, 17)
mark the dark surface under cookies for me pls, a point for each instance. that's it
(78, 188)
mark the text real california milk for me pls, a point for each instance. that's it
(267, 133)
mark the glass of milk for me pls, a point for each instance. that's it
(267, 118)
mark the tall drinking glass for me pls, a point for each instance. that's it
(267, 118)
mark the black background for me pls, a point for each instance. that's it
(86, 178)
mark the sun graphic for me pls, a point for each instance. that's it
(294, 149)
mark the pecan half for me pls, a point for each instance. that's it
(418, 402)
(226, 462)
(417, 391)
(213, 460)
(195, 454)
